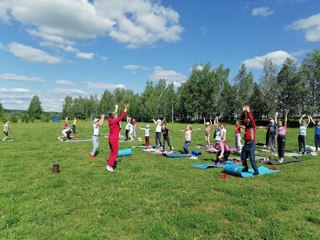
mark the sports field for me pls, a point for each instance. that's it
(148, 196)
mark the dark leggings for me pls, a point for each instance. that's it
(281, 140)
(158, 138)
(164, 143)
(302, 142)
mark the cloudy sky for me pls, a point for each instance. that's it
(82, 47)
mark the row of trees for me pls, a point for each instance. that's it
(209, 92)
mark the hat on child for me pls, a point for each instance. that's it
(148, 126)
(159, 121)
(207, 123)
(96, 120)
(217, 138)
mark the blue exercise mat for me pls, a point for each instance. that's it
(194, 153)
(212, 165)
(124, 152)
(237, 171)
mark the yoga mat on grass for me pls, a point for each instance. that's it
(237, 171)
(78, 140)
(212, 165)
(124, 152)
(256, 158)
(285, 161)
(194, 153)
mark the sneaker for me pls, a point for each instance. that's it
(110, 169)
(187, 155)
(92, 156)
(245, 169)
(256, 173)
(281, 160)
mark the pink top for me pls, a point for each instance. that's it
(187, 135)
(208, 128)
(282, 130)
(222, 146)
(237, 129)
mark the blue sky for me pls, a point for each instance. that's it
(80, 48)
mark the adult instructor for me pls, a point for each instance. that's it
(249, 146)
(114, 126)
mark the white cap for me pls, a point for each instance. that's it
(159, 121)
(96, 120)
(207, 123)
(148, 126)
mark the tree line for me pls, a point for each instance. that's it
(209, 92)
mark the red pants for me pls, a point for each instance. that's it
(147, 141)
(114, 147)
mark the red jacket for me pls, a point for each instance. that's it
(114, 127)
(250, 130)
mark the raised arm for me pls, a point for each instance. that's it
(116, 108)
(308, 120)
(101, 120)
(300, 120)
(155, 122)
(276, 118)
(216, 121)
(164, 119)
(312, 120)
(286, 119)
(204, 121)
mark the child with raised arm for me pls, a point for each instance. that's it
(303, 134)
(316, 133)
(158, 124)
(146, 135)
(187, 138)
(271, 133)
(166, 137)
(207, 127)
(281, 138)
(95, 136)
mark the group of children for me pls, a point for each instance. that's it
(68, 128)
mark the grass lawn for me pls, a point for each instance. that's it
(148, 196)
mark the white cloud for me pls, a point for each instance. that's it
(262, 11)
(310, 26)
(65, 82)
(102, 86)
(9, 76)
(277, 58)
(14, 90)
(169, 75)
(132, 22)
(32, 54)
(73, 92)
(135, 67)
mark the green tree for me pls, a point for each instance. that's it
(268, 86)
(106, 103)
(257, 104)
(310, 70)
(289, 89)
(243, 86)
(35, 109)
(1, 109)
(67, 110)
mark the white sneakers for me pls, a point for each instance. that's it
(110, 169)
(281, 160)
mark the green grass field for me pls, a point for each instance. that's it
(148, 196)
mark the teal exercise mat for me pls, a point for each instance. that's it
(238, 158)
(78, 140)
(236, 170)
(212, 165)
(194, 153)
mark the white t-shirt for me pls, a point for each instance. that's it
(128, 126)
(6, 127)
(147, 132)
(96, 129)
(223, 133)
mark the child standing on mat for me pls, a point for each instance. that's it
(166, 137)
(158, 131)
(237, 137)
(281, 138)
(146, 135)
(114, 126)
(316, 133)
(95, 136)
(74, 125)
(128, 129)
(303, 134)
(207, 127)
(249, 146)
(187, 138)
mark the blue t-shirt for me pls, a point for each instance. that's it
(272, 130)
(317, 130)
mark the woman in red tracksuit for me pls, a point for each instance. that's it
(114, 126)
(249, 146)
